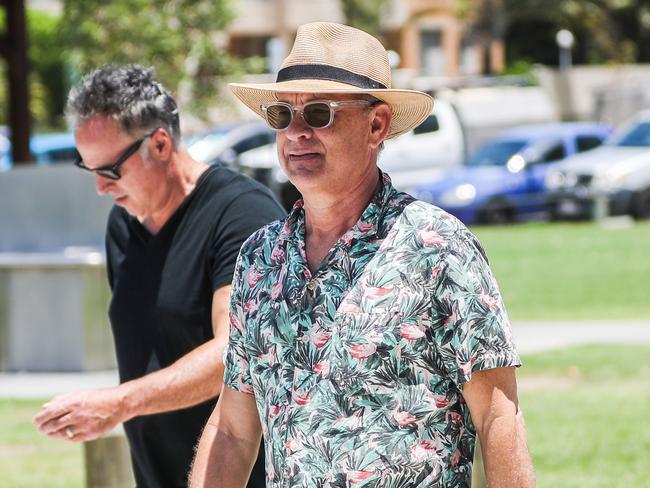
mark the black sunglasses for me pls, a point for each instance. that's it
(112, 170)
(318, 114)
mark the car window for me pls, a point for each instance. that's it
(553, 153)
(254, 141)
(639, 135)
(584, 143)
(496, 153)
(58, 155)
(430, 124)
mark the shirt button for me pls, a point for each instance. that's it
(304, 339)
(312, 285)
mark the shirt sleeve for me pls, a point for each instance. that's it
(245, 214)
(116, 236)
(235, 359)
(472, 330)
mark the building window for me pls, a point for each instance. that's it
(432, 58)
(470, 58)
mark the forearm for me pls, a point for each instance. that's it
(505, 452)
(194, 378)
(223, 460)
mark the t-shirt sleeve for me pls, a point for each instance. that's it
(235, 359)
(245, 214)
(115, 237)
(472, 329)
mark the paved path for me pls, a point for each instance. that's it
(529, 337)
(543, 335)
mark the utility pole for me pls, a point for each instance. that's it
(13, 47)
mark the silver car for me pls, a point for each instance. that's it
(613, 179)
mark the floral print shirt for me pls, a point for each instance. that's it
(357, 369)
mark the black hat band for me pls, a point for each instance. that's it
(325, 72)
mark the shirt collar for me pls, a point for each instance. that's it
(366, 227)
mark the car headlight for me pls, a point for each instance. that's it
(459, 196)
(560, 179)
(516, 163)
(610, 180)
(602, 182)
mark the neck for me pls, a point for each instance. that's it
(180, 180)
(327, 219)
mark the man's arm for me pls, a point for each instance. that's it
(194, 378)
(229, 443)
(492, 399)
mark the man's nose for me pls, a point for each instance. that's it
(298, 127)
(102, 184)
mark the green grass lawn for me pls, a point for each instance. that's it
(586, 408)
(571, 271)
(587, 411)
(31, 460)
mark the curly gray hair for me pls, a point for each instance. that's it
(129, 95)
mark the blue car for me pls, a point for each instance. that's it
(46, 149)
(503, 181)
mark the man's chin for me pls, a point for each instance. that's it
(124, 203)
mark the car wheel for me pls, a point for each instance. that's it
(642, 204)
(496, 213)
(553, 214)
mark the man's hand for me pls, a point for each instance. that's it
(194, 378)
(81, 416)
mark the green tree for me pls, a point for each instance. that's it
(46, 63)
(46, 59)
(364, 14)
(605, 30)
(182, 39)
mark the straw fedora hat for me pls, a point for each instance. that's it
(336, 58)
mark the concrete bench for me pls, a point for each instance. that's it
(53, 312)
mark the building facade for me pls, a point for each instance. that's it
(428, 35)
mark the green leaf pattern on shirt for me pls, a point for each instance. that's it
(357, 370)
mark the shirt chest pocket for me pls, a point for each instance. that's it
(366, 354)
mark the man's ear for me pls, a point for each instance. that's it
(380, 123)
(163, 145)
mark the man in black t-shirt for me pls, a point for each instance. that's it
(171, 245)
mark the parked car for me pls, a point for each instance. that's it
(224, 144)
(503, 181)
(51, 148)
(56, 147)
(5, 153)
(613, 179)
(436, 144)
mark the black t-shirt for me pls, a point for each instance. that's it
(162, 303)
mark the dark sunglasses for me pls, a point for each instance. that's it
(112, 170)
(318, 114)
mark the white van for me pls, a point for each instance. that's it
(423, 153)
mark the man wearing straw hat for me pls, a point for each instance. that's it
(369, 343)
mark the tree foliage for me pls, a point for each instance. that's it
(605, 30)
(364, 14)
(182, 39)
(47, 66)
(46, 70)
